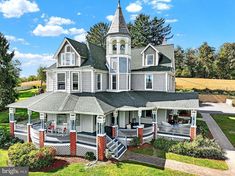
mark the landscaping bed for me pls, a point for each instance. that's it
(227, 125)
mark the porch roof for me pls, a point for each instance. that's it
(101, 103)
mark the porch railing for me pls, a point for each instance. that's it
(21, 128)
(148, 131)
(129, 133)
(86, 139)
(182, 130)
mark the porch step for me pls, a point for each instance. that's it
(115, 147)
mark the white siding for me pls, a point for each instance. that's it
(87, 123)
(86, 81)
(161, 115)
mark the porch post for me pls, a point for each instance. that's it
(193, 128)
(29, 126)
(101, 138)
(140, 127)
(154, 123)
(73, 135)
(139, 115)
(12, 121)
(42, 130)
(115, 126)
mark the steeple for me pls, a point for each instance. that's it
(118, 25)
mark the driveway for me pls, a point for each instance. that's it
(216, 108)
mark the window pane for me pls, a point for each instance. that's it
(61, 77)
(61, 81)
(113, 65)
(98, 81)
(149, 59)
(123, 65)
(61, 118)
(68, 49)
(149, 81)
(114, 82)
(75, 81)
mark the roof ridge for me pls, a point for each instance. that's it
(64, 103)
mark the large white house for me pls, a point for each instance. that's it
(100, 99)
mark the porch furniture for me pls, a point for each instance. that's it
(165, 126)
(51, 129)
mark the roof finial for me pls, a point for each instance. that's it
(119, 3)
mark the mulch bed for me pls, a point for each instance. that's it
(131, 148)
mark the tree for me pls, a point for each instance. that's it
(225, 62)
(179, 60)
(41, 74)
(97, 34)
(9, 74)
(191, 61)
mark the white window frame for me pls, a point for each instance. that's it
(146, 60)
(63, 57)
(57, 81)
(145, 82)
(99, 74)
(112, 82)
(73, 80)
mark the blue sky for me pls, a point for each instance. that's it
(36, 28)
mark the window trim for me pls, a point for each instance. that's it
(64, 81)
(73, 80)
(146, 60)
(145, 82)
(100, 81)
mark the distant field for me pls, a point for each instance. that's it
(200, 83)
(31, 83)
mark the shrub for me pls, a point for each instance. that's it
(164, 144)
(6, 140)
(27, 155)
(90, 156)
(135, 141)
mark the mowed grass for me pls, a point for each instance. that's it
(24, 94)
(227, 125)
(200, 83)
(214, 164)
(108, 169)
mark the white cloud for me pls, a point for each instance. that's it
(75, 31)
(59, 21)
(179, 35)
(79, 13)
(134, 7)
(12, 38)
(49, 30)
(29, 59)
(81, 37)
(109, 17)
(133, 17)
(17, 8)
(171, 20)
(43, 15)
(160, 6)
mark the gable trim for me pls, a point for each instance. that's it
(149, 45)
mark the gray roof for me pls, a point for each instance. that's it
(105, 102)
(118, 25)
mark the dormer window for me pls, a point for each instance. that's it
(149, 60)
(68, 57)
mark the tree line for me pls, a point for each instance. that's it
(206, 62)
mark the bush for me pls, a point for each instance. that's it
(27, 155)
(164, 144)
(90, 156)
(135, 141)
(6, 140)
(199, 148)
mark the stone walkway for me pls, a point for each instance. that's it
(175, 165)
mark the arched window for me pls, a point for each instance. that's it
(68, 57)
(68, 49)
(114, 44)
(122, 47)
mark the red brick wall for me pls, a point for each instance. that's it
(12, 128)
(73, 143)
(114, 131)
(193, 133)
(29, 134)
(140, 134)
(101, 147)
(41, 138)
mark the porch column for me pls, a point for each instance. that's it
(42, 130)
(115, 126)
(29, 126)
(73, 135)
(139, 115)
(101, 138)
(193, 128)
(12, 121)
(154, 123)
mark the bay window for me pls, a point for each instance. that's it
(61, 81)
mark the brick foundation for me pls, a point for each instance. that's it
(29, 133)
(12, 128)
(73, 143)
(114, 131)
(140, 134)
(41, 138)
(101, 147)
(193, 133)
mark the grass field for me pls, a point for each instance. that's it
(227, 125)
(215, 164)
(200, 83)
(32, 83)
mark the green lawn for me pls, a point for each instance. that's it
(203, 129)
(215, 164)
(27, 94)
(227, 125)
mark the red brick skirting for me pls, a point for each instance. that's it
(73, 143)
(193, 133)
(41, 138)
(29, 133)
(114, 130)
(101, 147)
(140, 134)
(12, 128)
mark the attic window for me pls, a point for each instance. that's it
(149, 60)
(68, 57)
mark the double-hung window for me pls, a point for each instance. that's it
(75, 80)
(149, 60)
(149, 82)
(61, 81)
(98, 81)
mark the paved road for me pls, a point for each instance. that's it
(217, 108)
